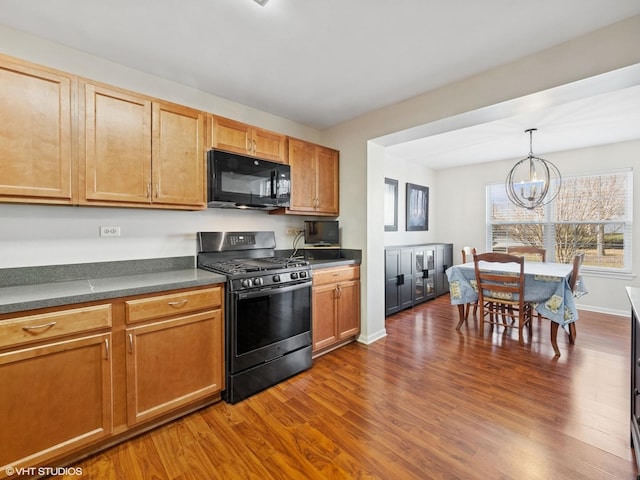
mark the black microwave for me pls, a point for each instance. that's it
(237, 181)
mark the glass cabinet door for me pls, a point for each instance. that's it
(419, 283)
(430, 285)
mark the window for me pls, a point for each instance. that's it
(592, 214)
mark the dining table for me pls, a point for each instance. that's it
(546, 288)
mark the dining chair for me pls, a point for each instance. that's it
(467, 256)
(528, 252)
(502, 294)
(573, 284)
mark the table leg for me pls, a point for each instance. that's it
(461, 315)
(572, 333)
(554, 337)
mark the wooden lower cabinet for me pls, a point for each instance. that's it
(336, 307)
(55, 398)
(172, 363)
(74, 380)
(174, 354)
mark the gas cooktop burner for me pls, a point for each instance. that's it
(245, 265)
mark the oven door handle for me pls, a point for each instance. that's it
(272, 291)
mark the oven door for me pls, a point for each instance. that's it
(265, 324)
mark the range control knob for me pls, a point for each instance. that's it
(294, 275)
(303, 274)
(247, 282)
(276, 278)
(257, 281)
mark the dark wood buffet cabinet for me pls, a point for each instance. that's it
(415, 274)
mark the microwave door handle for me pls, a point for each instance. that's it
(274, 184)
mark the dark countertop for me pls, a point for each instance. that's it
(327, 257)
(29, 288)
(336, 262)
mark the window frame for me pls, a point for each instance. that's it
(549, 222)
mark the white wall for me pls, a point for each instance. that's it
(408, 172)
(32, 235)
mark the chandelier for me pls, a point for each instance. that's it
(533, 181)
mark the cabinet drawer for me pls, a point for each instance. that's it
(34, 328)
(172, 304)
(335, 275)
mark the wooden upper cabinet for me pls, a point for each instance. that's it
(328, 182)
(115, 163)
(303, 175)
(178, 163)
(36, 134)
(139, 152)
(237, 137)
(314, 179)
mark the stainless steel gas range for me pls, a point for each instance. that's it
(268, 310)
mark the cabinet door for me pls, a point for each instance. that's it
(116, 159)
(421, 276)
(303, 176)
(172, 363)
(324, 316)
(407, 272)
(231, 136)
(444, 259)
(327, 186)
(429, 272)
(348, 309)
(269, 145)
(391, 289)
(178, 155)
(54, 398)
(35, 134)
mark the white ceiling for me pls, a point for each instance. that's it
(498, 132)
(324, 62)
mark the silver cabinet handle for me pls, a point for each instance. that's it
(106, 346)
(38, 327)
(148, 189)
(254, 147)
(248, 144)
(130, 343)
(180, 303)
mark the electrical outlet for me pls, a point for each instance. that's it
(294, 230)
(109, 231)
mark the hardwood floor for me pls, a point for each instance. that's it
(424, 402)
